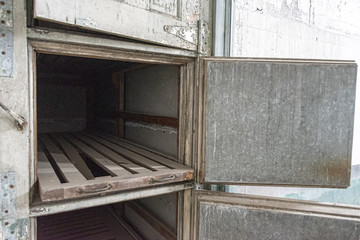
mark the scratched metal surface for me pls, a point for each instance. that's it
(7, 195)
(279, 123)
(241, 223)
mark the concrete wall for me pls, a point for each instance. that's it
(315, 29)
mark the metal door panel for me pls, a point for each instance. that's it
(245, 217)
(276, 122)
(171, 23)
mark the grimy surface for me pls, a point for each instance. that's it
(245, 217)
(287, 122)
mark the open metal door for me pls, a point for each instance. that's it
(276, 121)
(234, 216)
(171, 22)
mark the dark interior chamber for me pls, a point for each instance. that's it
(134, 220)
(136, 101)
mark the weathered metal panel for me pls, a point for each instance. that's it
(278, 122)
(241, 217)
(141, 20)
(9, 224)
(8, 229)
(6, 38)
(7, 194)
(14, 229)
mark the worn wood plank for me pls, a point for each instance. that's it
(158, 158)
(109, 166)
(133, 156)
(123, 162)
(45, 172)
(73, 156)
(80, 203)
(106, 185)
(71, 173)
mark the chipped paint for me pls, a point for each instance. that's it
(15, 229)
(186, 33)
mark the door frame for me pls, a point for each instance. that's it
(90, 46)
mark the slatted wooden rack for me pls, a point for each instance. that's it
(72, 165)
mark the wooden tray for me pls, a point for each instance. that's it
(73, 165)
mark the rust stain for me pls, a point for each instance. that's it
(188, 176)
(339, 170)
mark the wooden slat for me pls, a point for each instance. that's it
(45, 172)
(74, 156)
(109, 166)
(120, 183)
(70, 172)
(158, 158)
(139, 159)
(112, 155)
(55, 208)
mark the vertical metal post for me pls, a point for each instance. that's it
(222, 25)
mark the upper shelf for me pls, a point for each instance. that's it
(73, 165)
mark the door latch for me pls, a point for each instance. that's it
(19, 120)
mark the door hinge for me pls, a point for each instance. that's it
(186, 33)
(204, 47)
